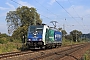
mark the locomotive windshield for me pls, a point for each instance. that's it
(36, 29)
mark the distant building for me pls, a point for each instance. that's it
(85, 36)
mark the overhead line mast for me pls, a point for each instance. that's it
(68, 13)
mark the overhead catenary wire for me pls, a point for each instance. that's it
(46, 8)
(81, 18)
(74, 10)
(68, 13)
(62, 7)
(16, 2)
(37, 9)
(50, 12)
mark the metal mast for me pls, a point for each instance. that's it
(34, 18)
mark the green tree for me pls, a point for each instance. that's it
(76, 35)
(64, 32)
(68, 37)
(13, 21)
(4, 38)
(28, 15)
(60, 29)
(19, 20)
(3, 35)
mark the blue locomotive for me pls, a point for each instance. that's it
(42, 36)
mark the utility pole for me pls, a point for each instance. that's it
(34, 18)
(63, 26)
(76, 36)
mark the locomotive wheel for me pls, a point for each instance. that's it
(43, 47)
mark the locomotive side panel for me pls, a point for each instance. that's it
(42, 36)
(49, 36)
(58, 37)
(53, 38)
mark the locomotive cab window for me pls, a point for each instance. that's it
(32, 29)
(40, 30)
(36, 29)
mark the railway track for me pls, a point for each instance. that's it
(8, 55)
(41, 54)
(58, 54)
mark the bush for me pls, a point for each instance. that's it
(3, 40)
(10, 47)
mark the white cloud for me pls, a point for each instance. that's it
(80, 10)
(25, 3)
(51, 2)
(5, 10)
(88, 11)
(11, 6)
(3, 14)
(84, 13)
(3, 28)
(63, 0)
(2, 8)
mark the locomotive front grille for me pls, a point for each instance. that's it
(35, 43)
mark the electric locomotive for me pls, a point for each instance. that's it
(42, 36)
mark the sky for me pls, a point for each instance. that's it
(70, 14)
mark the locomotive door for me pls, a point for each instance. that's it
(47, 36)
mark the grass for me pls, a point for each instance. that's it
(86, 56)
(70, 42)
(14, 46)
(9, 47)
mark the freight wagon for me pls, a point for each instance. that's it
(42, 36)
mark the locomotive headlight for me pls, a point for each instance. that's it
(40, 39)
(29, 39)
(34, 34)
